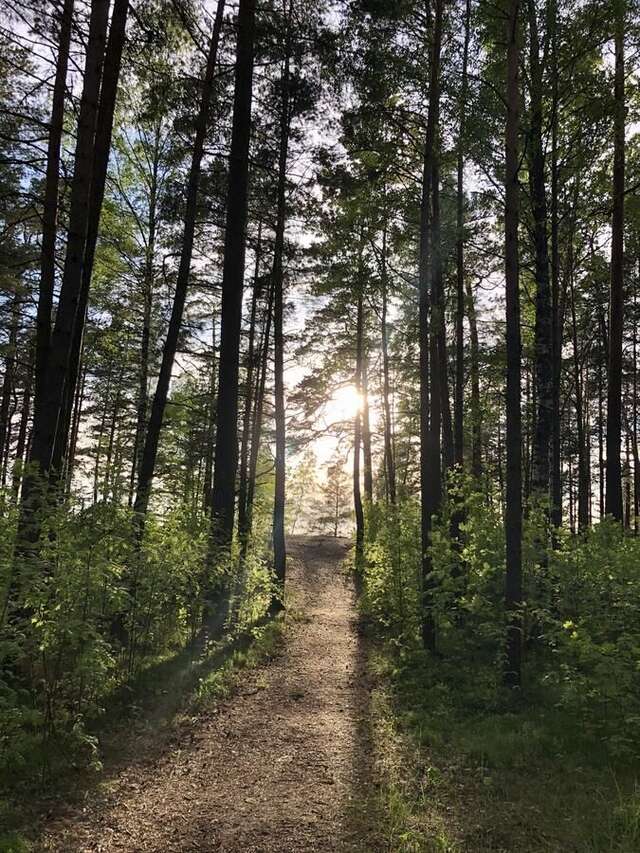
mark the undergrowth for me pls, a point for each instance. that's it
(469, 765)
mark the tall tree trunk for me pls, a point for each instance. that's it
(249, 391)
(543, 342)
(8, 381)
(150, 450)
(601, 466)
(439, 365)
(366, 430)
(476, 408)
(357, 434)
(50, 202)
(100, 162)
(75, 429)
(48, 408)
(390, 466)
(101, 431)
(613, 498)
(256, 430)
(513, 512)
(556, 327)
(458, 429)
(279, 543)
(226, 457)
(147, 305)
(583, 460)
(21, 443)
(207, 485)
(634, 426)
(430, 486)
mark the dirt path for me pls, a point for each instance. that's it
(284, 765)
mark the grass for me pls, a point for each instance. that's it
(465, 768)
(220, 683)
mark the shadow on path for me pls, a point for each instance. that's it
(283, 765)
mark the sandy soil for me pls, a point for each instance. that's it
(283, 765)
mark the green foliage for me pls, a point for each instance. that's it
(581, 616)
(96, 613)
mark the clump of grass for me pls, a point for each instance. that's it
(13, 843)
(220, 683)
(467, 767)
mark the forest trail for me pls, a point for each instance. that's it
(282, 765)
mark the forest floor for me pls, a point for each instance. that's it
(282, 764)
(319, 741)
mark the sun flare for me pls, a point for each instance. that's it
(344, 404)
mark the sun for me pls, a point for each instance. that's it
(344, 403)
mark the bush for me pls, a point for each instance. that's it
(95, 611)
(581, 614)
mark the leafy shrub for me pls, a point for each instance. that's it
(95, 611)
(581, 613)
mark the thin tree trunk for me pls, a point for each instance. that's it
(386, 389)
(75, 429)
(50, 202)
(513, 512)
(556, 328)
(145, 338)
(543, 340)
(110, 444)
(150, 450)
(583, 471)
(211, 430)
(613, 498)
(256, 432)
(366, 430)
(357, 435)
(601, 471)
(8, 382)
(279, 542)
(21, 443)
(430, 487)
(476, 408)
(101, 430)
(636, 456)
(249, 395)
(458, 429)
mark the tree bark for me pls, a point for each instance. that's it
(21, 443)
(476, 408)
(556, 328)
(147, 296)
(102, 149)
(583, 458)
(279, 543)
(8, 382)
(226, 456)
(50, 202)
(256, 431)
(386, 385)
(430, 487)
(613, 497)
(249, 392)
(513, 512)
(366, 430)
(543, 334)
(48, 408)
(357, 434)
(458, 428)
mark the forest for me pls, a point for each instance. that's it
(319, 429)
